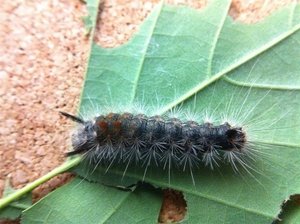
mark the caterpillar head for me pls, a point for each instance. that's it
(236, 138)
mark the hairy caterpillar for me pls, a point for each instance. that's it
(129, 138)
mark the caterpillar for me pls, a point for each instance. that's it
(157, 139)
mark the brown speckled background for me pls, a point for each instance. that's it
(43, 53)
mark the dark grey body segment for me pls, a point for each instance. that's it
(137, 138)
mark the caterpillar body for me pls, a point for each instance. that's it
(139, 136)
(160, 141)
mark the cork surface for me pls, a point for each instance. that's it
(42, 62)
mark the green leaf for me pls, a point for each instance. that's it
(84, 202)
(203, 60)
(14, 210)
